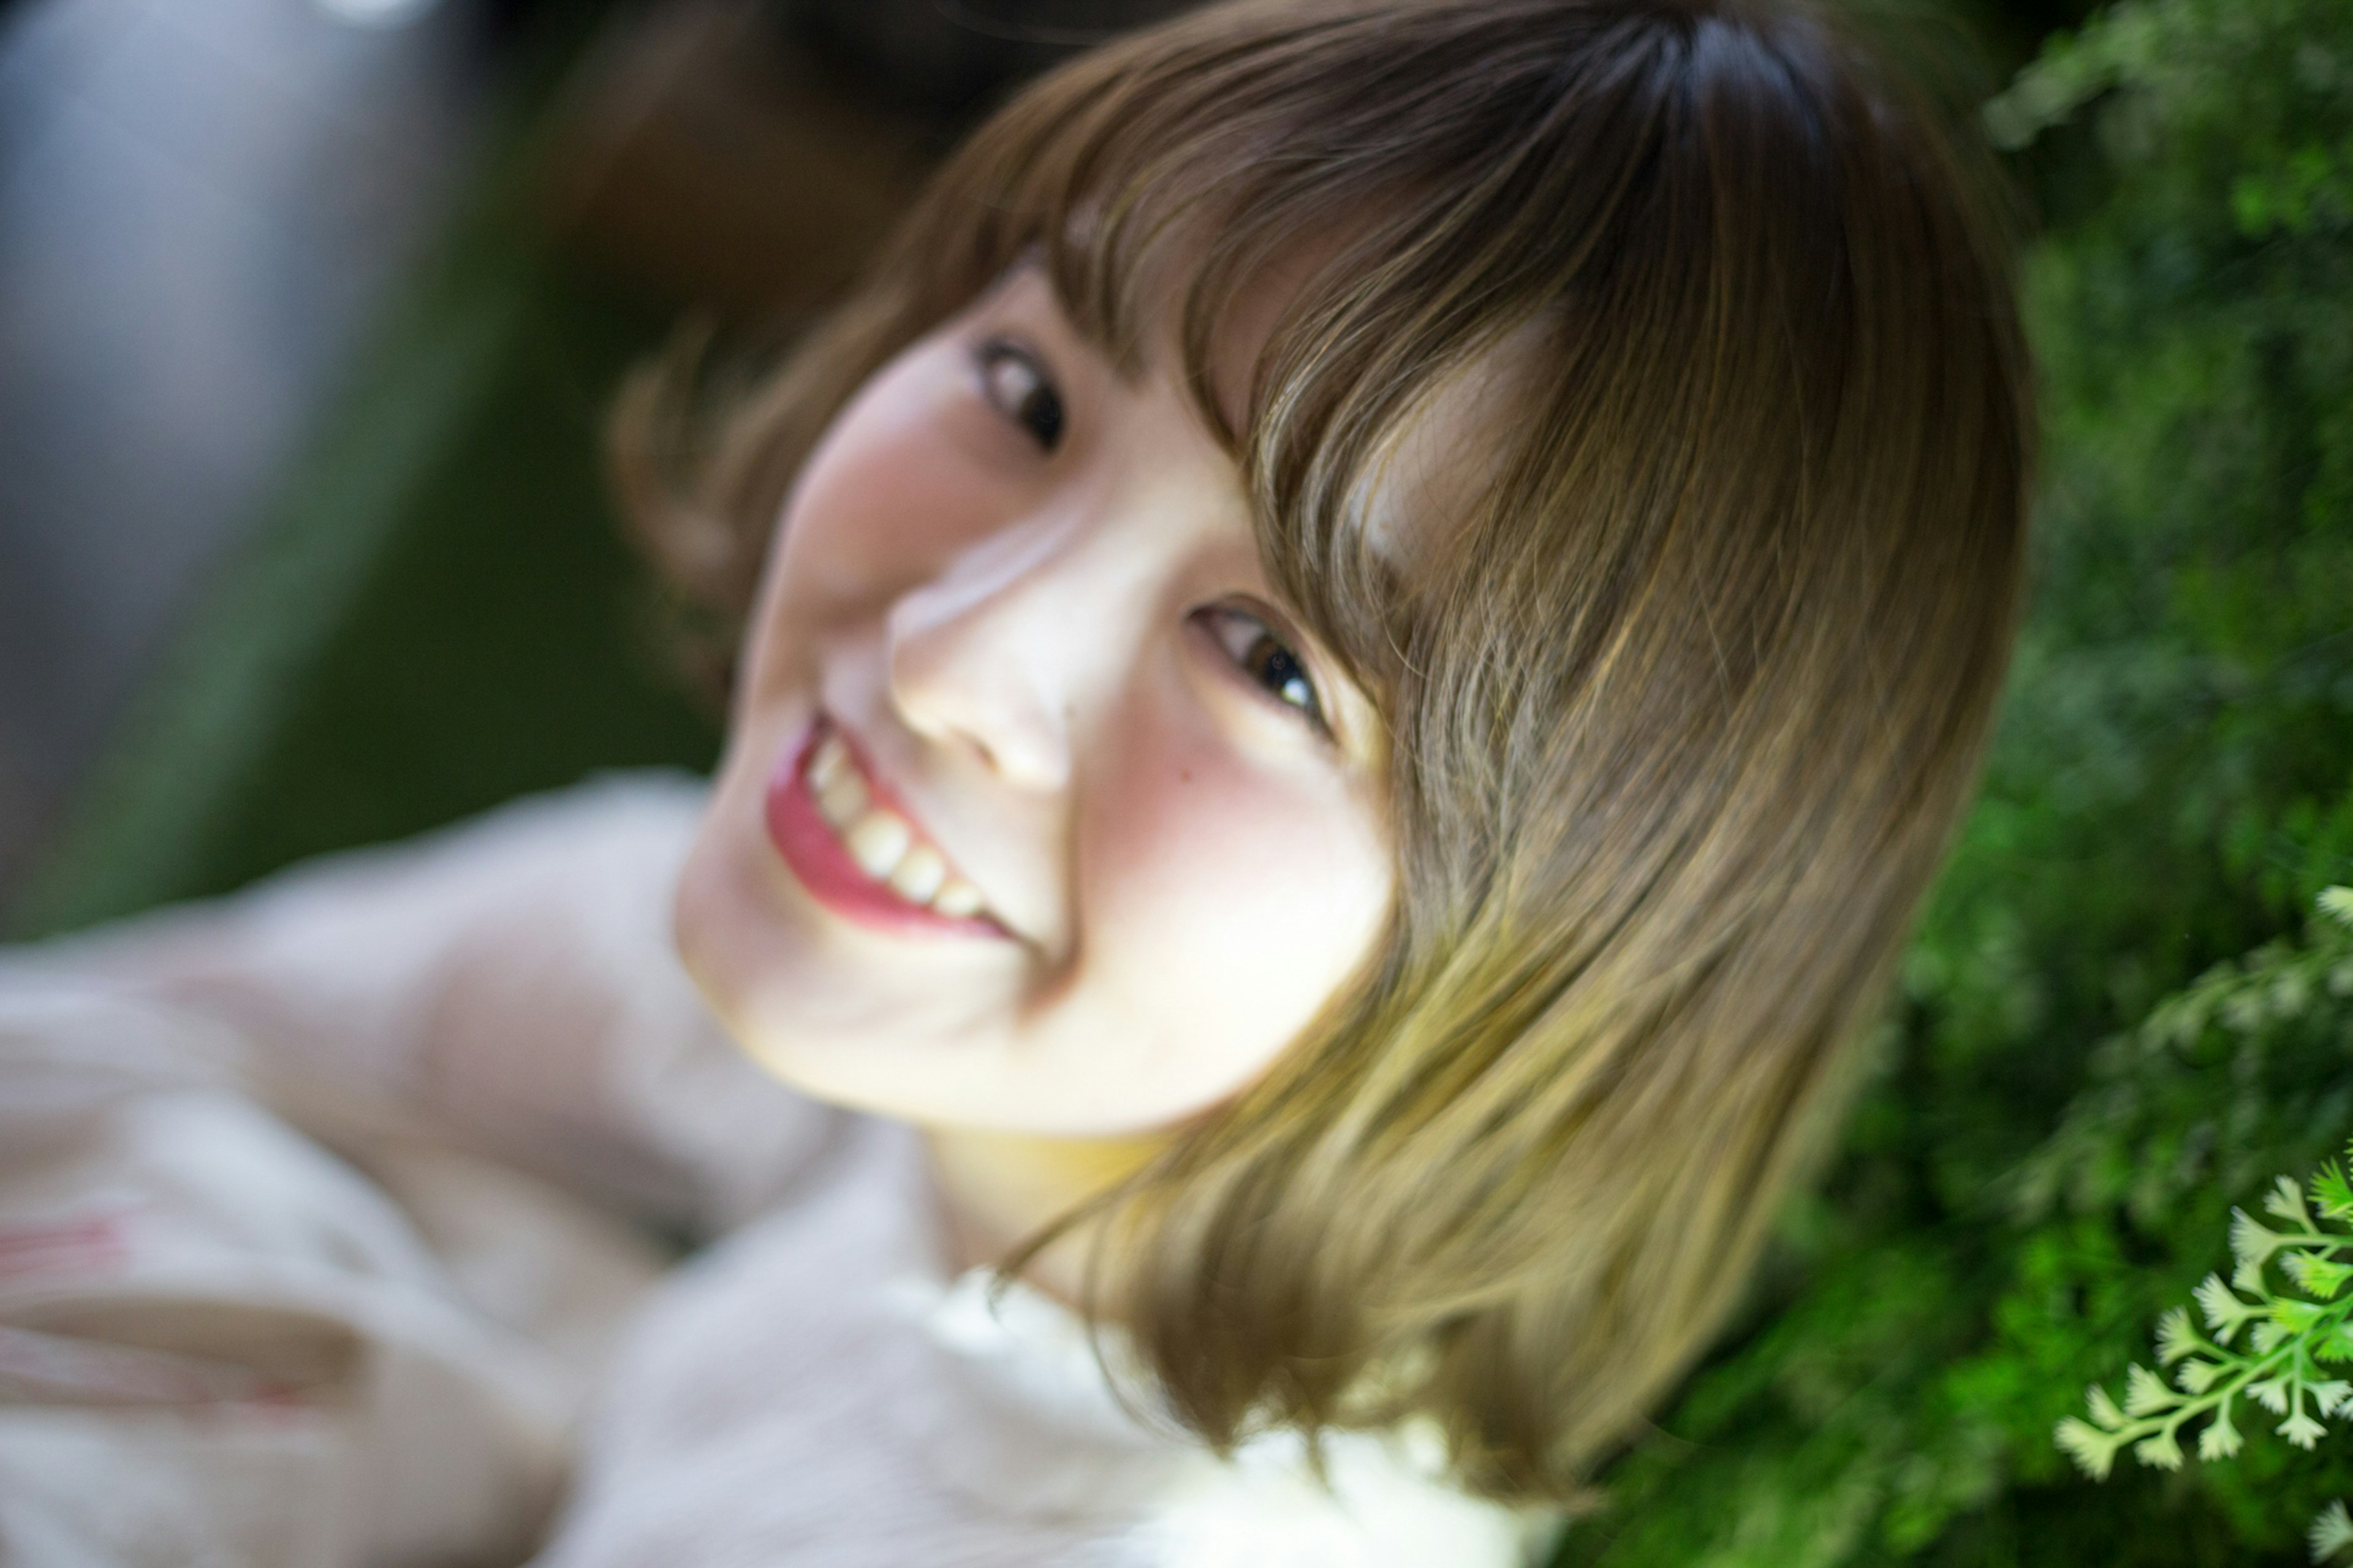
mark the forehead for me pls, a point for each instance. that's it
(1424, 472)
(1443, 458)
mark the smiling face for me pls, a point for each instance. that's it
(1039, 813)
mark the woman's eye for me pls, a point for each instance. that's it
(1266, 660)
(1016, 384)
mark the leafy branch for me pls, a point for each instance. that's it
(2288, 1331)
(2288, 1335)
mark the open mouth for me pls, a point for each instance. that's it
(857, 850)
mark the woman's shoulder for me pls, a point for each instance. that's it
(605, 824)
(1015, 1360)
(1382, 1500)
(598, 845)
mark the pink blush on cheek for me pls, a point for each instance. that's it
(1231, 895)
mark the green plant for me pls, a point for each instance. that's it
(2290, 1332)
(2291, 1335)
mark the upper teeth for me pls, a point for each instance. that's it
(884, 844)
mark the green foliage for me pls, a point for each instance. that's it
(2114, 1024)
(2289, 1335)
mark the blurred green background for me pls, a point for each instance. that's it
(437, 614)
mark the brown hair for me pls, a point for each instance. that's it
(1682, 714)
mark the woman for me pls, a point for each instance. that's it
(1369, 630)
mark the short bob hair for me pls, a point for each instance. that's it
(1680, 714)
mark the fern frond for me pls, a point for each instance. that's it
(2145, 1392)
(2221, 1439)
(2175, 1337)
(2252, 1242)
(2225, 1313)
(2094, 1451)
(2159, 1449)
(2331, 1531)
(2315, 1275)
(2197, 1376)
(2302, 1430)
(2331, 1193)
(2288, 1335)
(2297, 1317)
(2286, 1201)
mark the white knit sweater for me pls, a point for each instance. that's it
(327, 1221)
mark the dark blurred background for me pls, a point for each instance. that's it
(201, 207)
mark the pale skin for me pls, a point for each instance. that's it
(1026, 589)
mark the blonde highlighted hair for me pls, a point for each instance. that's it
(1682, 712)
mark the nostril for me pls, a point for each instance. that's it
(983, 659)
(988, 708)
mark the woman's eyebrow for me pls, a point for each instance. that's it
(1130, 354)
(1066, 322)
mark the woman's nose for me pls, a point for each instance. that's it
(989, 654)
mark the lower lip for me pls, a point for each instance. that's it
(823, 868)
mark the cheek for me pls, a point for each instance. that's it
(849, 531)
(1221, 903)
(894, 486)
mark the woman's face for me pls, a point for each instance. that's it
(1040, 814)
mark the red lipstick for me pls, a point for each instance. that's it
(812, 847)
